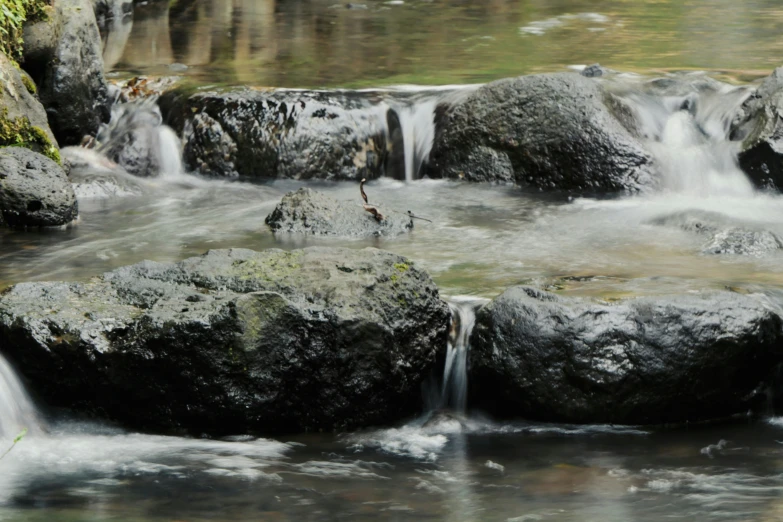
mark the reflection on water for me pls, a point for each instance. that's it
(309, 43)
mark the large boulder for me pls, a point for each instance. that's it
(638, 361)
(22, 117)
(234, 341)
(34, 190)
(759, 127)
(308, 212)
(550, 131)
(279, 134)
(70, 77)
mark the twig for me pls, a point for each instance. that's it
(374, 211)
(410, 215)
(361, 189)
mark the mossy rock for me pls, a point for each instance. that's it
(23, 120)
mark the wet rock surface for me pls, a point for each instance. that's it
(308, 212)
(22, 117)
(640, 361)
(551, 131)
(234, 341)
(722, 235)
(70, 77)
(279, 134)
(760, 130)
(34, 190)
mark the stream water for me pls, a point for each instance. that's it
(451, 464)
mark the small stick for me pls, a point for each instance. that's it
(410, 215)
(374, 211)
(361, 189)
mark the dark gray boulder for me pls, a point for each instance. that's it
(34, 190)
(640, 361)
(308, 212)
(279, 134)
(22, 117)
(70, 77)
(723, 235)
(759, 127)
(549, 131)
(234, 341)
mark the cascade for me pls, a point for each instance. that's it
(17, 411)
(417, 123)
(454, 390)
(688, 134)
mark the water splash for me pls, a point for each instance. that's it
(17, 411)
(685, 123)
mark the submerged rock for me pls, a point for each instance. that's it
(34, 190)
(638, 361)
(309, 212)
(22, 117)
(723, 235)
(234, 341)
(549, 131)
(279, 134)
(760, 130)
(70, 76)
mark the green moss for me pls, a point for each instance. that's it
(402, 267)
(29, 84)
(13, 15)
(20, 133)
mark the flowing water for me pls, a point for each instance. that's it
(451, 464)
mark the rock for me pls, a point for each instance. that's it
(22, 117)
(724, 236)
(759, 129)
(549, 131)
(41, 37)
(34, 190)
(312, 213)
(279, 134)
(71, 82)
(234, 341)
(639, 361)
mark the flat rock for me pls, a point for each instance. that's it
(639, 361)
(308, 212)
(234, 341)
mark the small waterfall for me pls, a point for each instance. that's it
(417, 124)
(454, 390)
(17, 411)
(170, 152)
(687, 131)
